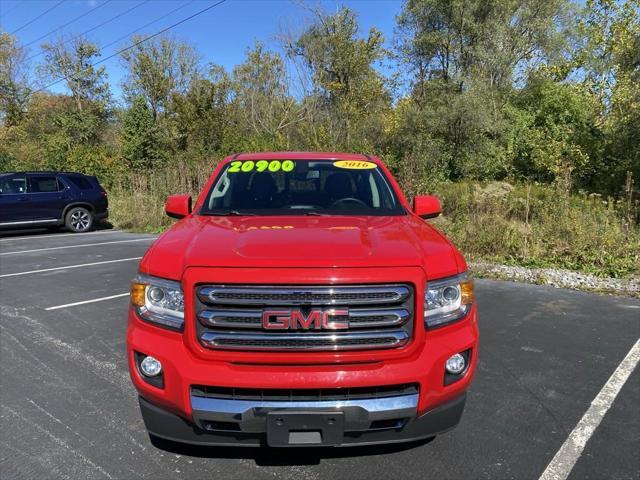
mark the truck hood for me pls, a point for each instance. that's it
(300, 241)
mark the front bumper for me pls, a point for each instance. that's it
(253, 429)
(182, 369)
(186, 363)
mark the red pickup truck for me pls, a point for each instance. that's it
(301, 301)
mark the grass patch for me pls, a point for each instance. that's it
(136, 203)
(535, 226)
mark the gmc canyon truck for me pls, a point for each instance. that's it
(301, 301)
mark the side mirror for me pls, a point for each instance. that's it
(178, 206)
(426, 206)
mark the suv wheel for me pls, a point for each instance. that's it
(79, 219)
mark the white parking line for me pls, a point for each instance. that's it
(564, 461)
(78, 246)
(87, 301)
(60, 235)
(68, 267)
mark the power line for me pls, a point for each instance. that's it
(94, 28)
(161, 17)
(160, 32)
(67, 24)
(39, 16)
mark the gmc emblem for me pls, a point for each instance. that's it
(295, 319)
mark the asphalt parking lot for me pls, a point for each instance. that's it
(68, 409)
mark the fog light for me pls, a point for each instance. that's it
(150, 366)
(455, 364)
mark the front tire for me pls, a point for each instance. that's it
(79, 220)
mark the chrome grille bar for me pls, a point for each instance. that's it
(231, 318)
(305, 341)
(302, 295)
(252, 319)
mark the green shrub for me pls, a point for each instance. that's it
(136, 201)
(538, 226)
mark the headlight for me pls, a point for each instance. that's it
(158, 300)
(447, 300)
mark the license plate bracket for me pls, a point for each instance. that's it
(304, 428)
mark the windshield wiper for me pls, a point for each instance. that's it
(316, 214)
(232, 213)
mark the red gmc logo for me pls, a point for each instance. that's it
(296, 320)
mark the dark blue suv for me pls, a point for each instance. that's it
(51, 199)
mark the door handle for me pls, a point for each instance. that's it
(24, 199)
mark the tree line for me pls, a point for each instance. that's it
(525, 90)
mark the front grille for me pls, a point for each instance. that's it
(289, 395)
(330, 318)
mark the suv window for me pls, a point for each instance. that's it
(44, 183)
(80, 182)
(13, 185)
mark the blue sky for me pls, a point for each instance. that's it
(221, 35)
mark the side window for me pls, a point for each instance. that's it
(80, 182)
(15, 184)
(44, 184)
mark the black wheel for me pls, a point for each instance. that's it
(79, 220)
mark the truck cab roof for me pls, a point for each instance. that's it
(301, 156)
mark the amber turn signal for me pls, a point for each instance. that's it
(137, 293)
(466, 290)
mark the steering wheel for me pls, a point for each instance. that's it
(341, 201)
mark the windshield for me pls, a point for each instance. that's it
(290, 187)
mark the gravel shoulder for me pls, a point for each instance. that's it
(559, 278)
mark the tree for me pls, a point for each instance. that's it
(609, 62)
(466, 58)
(201, 116)
(142, 144)
(351, 94)
(462, 41)
(73, 63)
(14, 83)
(157, 69)
(261, 92)
(561, 141)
